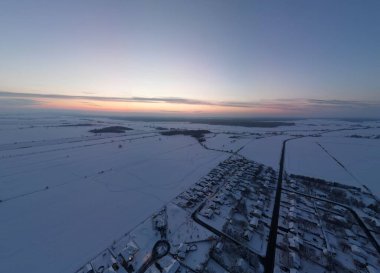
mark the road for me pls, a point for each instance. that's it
(271, 248)
(160, 249)
(269, 260)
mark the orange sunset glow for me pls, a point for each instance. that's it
(142, 107)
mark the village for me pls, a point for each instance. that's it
(320, 229)
(223, 222)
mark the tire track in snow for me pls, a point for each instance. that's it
(341, 165)
(45, 188)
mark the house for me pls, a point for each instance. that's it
(295, 242)
(112, 270)
(321, 195)
(292, 226)
(219, 199)
(207, 213)
(262, 197)
(294, 260)
(293, 209)
(247, 235)
(168, 264)
(339, 220)
(152, 269)
(329, 252)
(205, 189)
(212, 205)
(186, 196)
(181, 251)
(358, 251)
(359, 261)
(129, 251)
(340, 209)
(349, 234)
(172, 268)
(293, 270)
(292, 215)
(259, 204)
(237, 196)
(254, 222)
(199, 194)
(353, 241)
(219, 247)
(373, 222)
(257, 213)
(114, 265)
(369, 212)
(241, 265)
(159, 221)
(371, 269)
(291, 195)
(88, 269)
(198, 188)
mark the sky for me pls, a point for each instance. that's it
(238, 58)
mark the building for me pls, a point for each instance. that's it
(254, 222)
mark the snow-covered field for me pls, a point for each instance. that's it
(62, 203)
(304, 156)
(67, 193)
(265, 150)
(360, 157)
(337, 157)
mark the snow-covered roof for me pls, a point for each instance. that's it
(295, 260)
(254, 221)
(169, 264)
(371, 269)
(293, 243)
(358, 251)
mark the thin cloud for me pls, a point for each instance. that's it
(344, 103)
(292, 105)
(17, 102)
(174, 100)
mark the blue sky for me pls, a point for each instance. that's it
(256, 53)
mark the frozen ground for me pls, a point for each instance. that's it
(67, 193)
(360, 158)
(336, 157)
(304, 156)
(62, 203)
(265, 150)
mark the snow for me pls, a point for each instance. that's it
(94, 195)
(305, 157)
(67, 194)
(349, 161)
(361, 157)
(226, 142)
(265, 150)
